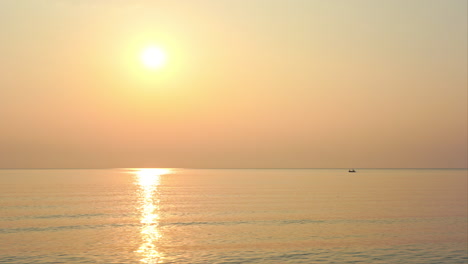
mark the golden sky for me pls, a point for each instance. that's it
(256, 84)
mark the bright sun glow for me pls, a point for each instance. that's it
(153, 57)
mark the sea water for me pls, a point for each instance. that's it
(233, 216)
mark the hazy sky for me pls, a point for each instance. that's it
(248, 83)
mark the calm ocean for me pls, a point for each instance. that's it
(234, 216)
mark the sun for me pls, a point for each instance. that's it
(153, 57)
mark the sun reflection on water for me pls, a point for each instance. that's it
(148, 181)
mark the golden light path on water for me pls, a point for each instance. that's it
(148, 181)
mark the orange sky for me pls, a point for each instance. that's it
(299, 83)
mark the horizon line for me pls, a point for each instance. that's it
(240, 168)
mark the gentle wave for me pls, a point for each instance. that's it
(60, 228)
(278, 223)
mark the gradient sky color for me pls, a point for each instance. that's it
(247, 84)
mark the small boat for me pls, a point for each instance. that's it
(351, 170)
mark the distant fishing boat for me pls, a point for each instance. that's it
(351, 170)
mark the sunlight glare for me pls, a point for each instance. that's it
(148, 180)
(150, 177)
